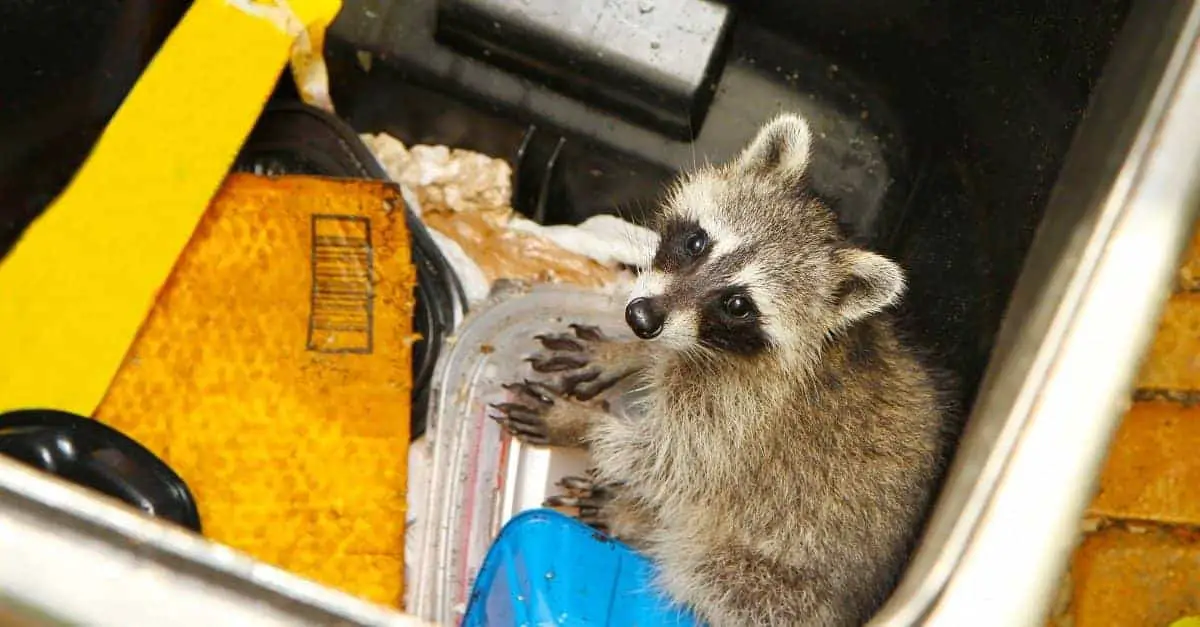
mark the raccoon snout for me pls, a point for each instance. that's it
(645, 318)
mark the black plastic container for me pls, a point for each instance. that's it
(94, 455)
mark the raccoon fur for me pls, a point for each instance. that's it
(791, 444)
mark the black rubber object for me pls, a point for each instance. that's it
(93, 455)
(294, 138)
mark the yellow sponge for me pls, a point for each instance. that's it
(274, 376)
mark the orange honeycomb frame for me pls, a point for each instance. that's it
(274, 375)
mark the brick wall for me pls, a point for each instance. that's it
(1138, 561)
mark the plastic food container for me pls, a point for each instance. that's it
(481, 478)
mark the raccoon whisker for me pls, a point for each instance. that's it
(703, 357)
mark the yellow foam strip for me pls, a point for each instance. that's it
(76, 287)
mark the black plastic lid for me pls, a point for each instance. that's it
(94, 455)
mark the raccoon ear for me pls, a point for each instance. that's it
(870, 284)
(781, 146)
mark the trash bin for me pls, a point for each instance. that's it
(1039, 241)
(950, 135)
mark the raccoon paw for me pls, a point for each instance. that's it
(587, 497)
(585, 364)
(537, 414)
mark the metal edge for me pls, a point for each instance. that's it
(85, 559)
(1081, 278)
(1055, 468)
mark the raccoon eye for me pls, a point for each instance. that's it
(696, 243)
(738, 306)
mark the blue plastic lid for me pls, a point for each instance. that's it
(545, 568)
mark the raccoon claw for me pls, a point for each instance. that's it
(523, 432)
(587, 509)
(577, 376)
(573, 383)
(584, 511)
(588, 332)
(576, 484)
(583, 363)
(560, 342)
(517, 412)
(585, 496)
(521, 422)
(558, 362)
(532, 391)
(585, 388)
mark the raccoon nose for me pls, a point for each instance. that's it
(644, 318)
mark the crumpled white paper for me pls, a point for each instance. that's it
(465, 181)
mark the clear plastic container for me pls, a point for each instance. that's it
(480, 477)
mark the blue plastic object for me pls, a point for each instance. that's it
(549, 569)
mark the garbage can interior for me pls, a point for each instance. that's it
(941, 124)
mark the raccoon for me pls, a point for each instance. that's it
(790, 443)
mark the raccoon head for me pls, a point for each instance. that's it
(750, 263)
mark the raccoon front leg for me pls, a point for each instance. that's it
(539, 415)
(560, 409)
(563, 408)
(606, 506)
(586, 363)
(589, 497)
